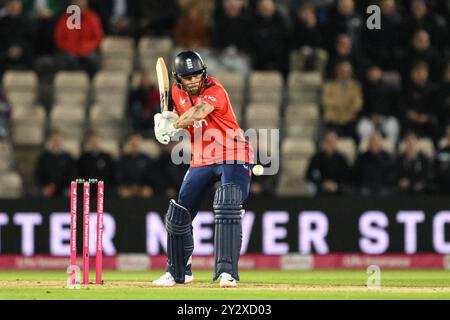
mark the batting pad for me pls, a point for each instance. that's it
(180, 242)
(228, 229)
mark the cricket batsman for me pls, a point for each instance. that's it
(201, 106)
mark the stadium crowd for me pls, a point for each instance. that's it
(356, 100)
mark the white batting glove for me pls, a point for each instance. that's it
(170, 115)
(160, 131)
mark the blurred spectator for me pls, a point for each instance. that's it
(418, 104)
(143, 103)
(5, 114)
(443, 98)
(373, 169)
(231, 27)
(192, 29)
(422, 18)
(328, 169)
(379, 107)
(269, 38)
(442, 165)
(136, 171)
(308, 36)
(413, 168)
(45, 13)
(171, 175)
(343, 51)
(79, 47)
(117, 15)
(230, 36)
(383, 46)
(342, 101)
(345, 19)
(55, 167)
(95, 163)
(16, 34)
(156, 17)
(421, 50)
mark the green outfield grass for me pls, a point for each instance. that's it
(342, 284)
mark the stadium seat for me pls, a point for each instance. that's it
(107, 124)
(72, 146)
(425, 145)
(266, 87)
(298, 57)
(71, 121)
(234, 84)
(292, 177)
(28, 126)
(302, 121)
(297, 148)
(21, 87)
(151, 148)
(387, 145)
(71, 88)
(262, 116)
(11, 185)
(347, 147)
(304, 87)
(6, 156)
(110, 92)
(117, 54)
(150, 48)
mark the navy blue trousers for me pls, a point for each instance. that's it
(199, 181)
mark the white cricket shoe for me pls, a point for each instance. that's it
(166, 280)
(227, 281)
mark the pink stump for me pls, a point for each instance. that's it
(99, 244)
(86, 209)
(73, 232)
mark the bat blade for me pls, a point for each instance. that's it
(163, 83)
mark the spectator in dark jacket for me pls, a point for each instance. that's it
(421, 50)
(442, 166)
(17, 36)
(44, 13)
(422, 18)
(156, 17)
(269, 38)
(379, 107)
(443, 98)
(232, 27)
(136, 171)
(308, 36)
(95, 163)
(418, 104)
(328, 169)
(345, 19)
(413, 168)
(343, 51)
(117, 15)
(383, 46)
(372, 171)
(55, 168)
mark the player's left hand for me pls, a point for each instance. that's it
(170, 115)
(164, 126)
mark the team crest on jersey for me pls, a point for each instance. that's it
(182, 101)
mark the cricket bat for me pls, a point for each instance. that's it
(163, 84)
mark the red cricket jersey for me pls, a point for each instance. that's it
(217, 138)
